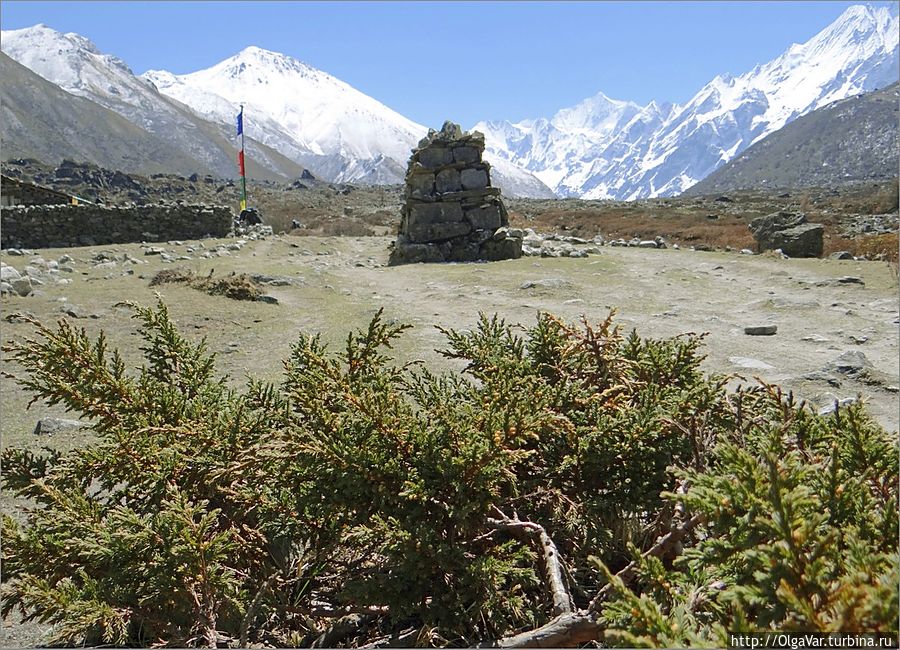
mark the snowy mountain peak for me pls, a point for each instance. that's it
(859, 27)
(41, 36)
(253, 58)
(312, 117)
(68, 60)
(596, 113)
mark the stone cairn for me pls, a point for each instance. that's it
(451, 212)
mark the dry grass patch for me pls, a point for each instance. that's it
(236, 287)
(884, 247)
(673, 224)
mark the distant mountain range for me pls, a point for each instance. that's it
(604, 148)
(310, 116)
(300, 117)
(850, 140)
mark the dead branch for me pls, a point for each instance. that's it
(565, 631)
(574, 628)
(402, 639)
(562, 600)
(251, 610)
(662, 547)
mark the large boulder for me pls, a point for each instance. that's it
(805, 240)
(790, 232)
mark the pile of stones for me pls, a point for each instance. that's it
(875, 224)
(554, 245)
(38, 272)
(451, 213)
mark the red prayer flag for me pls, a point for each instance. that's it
(241, 161)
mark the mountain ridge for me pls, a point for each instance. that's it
(847, 141)
(74, 64)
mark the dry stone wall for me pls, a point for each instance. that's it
(451, 213)
(57, 226)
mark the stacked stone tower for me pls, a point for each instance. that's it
(451, 212)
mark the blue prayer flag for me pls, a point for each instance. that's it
(240, 121)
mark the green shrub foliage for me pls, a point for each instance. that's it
(360, 501)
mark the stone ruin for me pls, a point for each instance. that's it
(451, 212)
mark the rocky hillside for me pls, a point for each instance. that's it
(849, 140)
(41, 120)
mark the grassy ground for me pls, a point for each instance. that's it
(338, 283)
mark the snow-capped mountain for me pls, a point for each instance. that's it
(604, 148)
(74, 64)
(313, 117)
(600, 148)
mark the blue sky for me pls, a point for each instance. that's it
(456, 60)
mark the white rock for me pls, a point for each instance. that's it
(9, 273)
(747, 362)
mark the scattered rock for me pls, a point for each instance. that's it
(21, 285)
(852, 363)
(50, 426)
(74, 311)
(747, 362)
(823, 376)
(8, 273)
(841, 255)
(271, 280)
(547, 283)
(789, 232)
(761, 330)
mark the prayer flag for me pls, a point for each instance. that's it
(241, 161)
(240, 122)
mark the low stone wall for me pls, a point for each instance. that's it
(58, 226)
